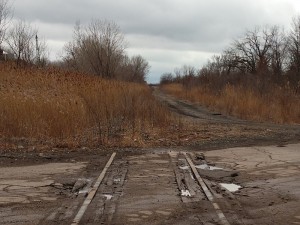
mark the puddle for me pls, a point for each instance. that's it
(117, 180)
(192, 176)
(183, 167)
(108, 197)
(186, 193)
(207, 167)
(231, 187)
(84, 191)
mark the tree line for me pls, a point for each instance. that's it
(264, 54)
(97, 48)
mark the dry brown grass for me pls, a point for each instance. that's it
(279, 104)
(67, 106)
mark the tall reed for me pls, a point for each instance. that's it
(278, 104)
(58, 104)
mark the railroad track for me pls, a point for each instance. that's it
(159, 188)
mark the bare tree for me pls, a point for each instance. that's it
(139, 69)
(185, 71)
(186, 75)
(253, 53)
(267, 51)
(294, 46)
(279, 52)
(23, 43)
(97, 48)
(217, 65)
(133, 69)
(5, 17)
(166, 78)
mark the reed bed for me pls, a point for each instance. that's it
(68, 106)
(278, 104)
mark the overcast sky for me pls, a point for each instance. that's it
(168, 33)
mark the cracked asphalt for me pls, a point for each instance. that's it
(270, 179)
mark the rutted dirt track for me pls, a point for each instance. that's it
(158, 186)
(223, 131)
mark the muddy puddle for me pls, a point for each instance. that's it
(207, 167)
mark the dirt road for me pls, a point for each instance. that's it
(219, 131)
(159, 185)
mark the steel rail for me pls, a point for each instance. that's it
(93, 191)
(207, 192)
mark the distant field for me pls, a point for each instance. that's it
(280, 104)
(72, 107)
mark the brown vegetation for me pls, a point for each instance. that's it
(257, 77)
(68, 106)
(279, 104)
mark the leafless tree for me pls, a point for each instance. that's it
(97, 48)
(266, 51)
(253, 53)
(5, 17)
(186, 75)
(140, 68)
(217, 65)
(278, 52)
(134, 69)
(185, 71)
(166, 78)
(23, 43)
(294, 45)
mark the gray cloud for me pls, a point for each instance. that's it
(166, 32)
